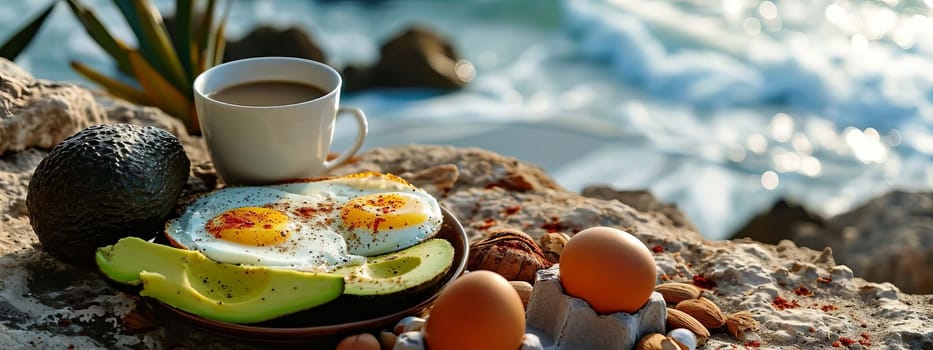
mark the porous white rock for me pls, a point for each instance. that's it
(40, 113)
(565, 322)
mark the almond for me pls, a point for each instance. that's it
(656, 341)
(741, 322)
(676, 292)
(704, 310)
(680, 319)
(524, 290)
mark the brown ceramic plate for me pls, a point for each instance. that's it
(327, 324)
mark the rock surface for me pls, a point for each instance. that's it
(888, 239)
(787, 220)
(269, 41)
(416, 57)
(642, 201)
(38, 113)
(800, 296)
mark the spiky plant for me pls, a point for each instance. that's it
(163, 66)
(13, 46)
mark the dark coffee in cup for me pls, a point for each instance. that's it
(268, 93)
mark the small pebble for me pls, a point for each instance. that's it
(363, 341)
(409, 341)
(531, 342)
(684, 337)
(408, 324)
(387, 340)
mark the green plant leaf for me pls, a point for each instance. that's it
(154, 46)
(101, 35)
(182, 31)
(19, 41)
(160, 91)
(128, 10)
(115, 87)
(155, 34)
(204, 33)
(218, 40)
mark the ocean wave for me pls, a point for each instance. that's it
(702, 61)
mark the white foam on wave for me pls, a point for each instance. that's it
(697, 59)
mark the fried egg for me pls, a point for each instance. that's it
(308, 225)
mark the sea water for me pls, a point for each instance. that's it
(719, 106)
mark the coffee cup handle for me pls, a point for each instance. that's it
(360, 136)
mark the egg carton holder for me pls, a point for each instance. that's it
(561, 321)
(557, 321)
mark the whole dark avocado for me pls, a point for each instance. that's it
(104, 183)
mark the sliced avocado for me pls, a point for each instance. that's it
(404, 270)
(189, 281)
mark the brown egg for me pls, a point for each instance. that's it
(609, 268)
(480, 310)
(363, 341)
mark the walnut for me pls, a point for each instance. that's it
(510, 253)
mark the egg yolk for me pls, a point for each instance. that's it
(253, 226)
(378, 212)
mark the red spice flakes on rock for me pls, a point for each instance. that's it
(703, 282)
(803, 291)
(657, 248)
(553, 225)
(511, 210)
(826, 280)
(753, 344)
(866, 340)
(836, 344)
(847, 341)
(486, 224)
(829, 307)
(782, 304)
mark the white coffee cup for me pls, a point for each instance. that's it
(252, 145)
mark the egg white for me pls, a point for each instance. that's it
(310, 246)
(363, 240)
(319, 239)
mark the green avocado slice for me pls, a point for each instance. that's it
(406, 270)
(189, 281)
